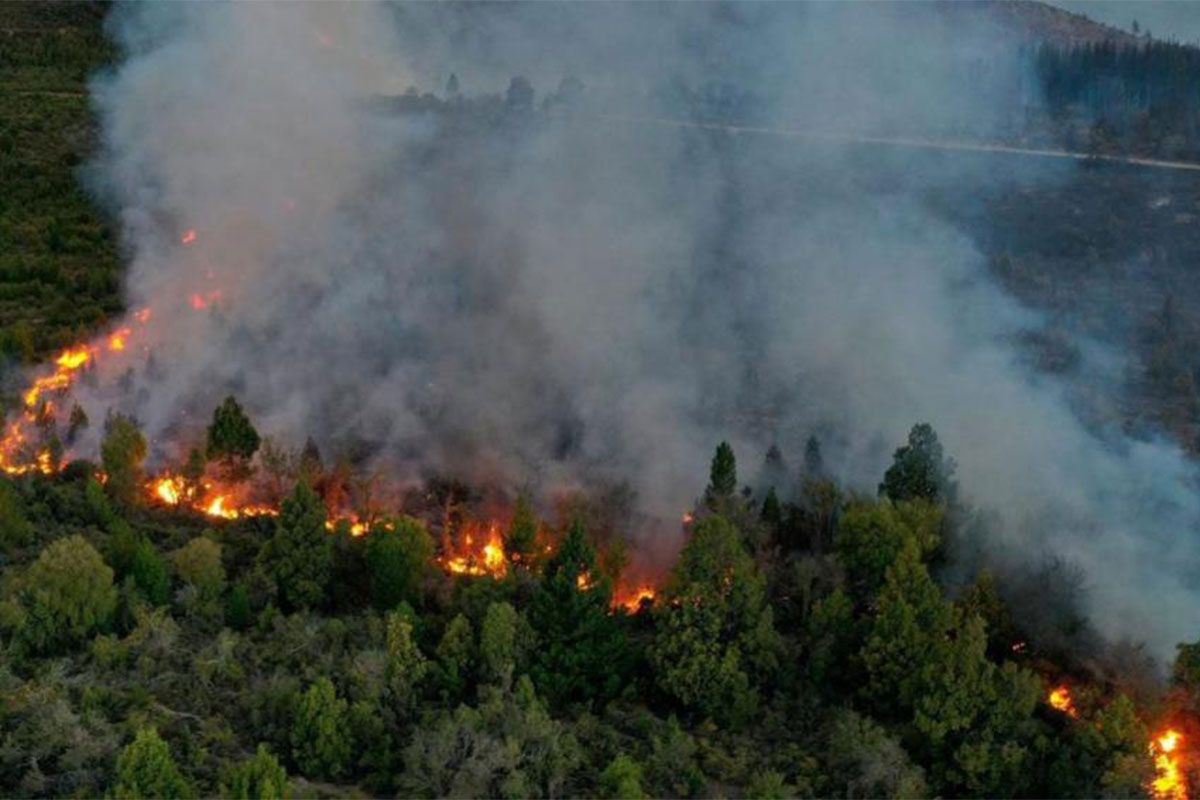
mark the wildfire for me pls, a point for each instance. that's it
(116, 340)
(17, 455)
(633, 600)
(488, 559)
(169, 489)
(1060, 699)
(188, 237)
(1169, 781)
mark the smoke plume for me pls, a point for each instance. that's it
(574, 293)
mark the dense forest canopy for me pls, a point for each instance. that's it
(311, 518)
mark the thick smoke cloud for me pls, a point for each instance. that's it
(574, 299)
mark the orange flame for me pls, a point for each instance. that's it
(15, 447)
(188, 237)
(116, 340)
(1169, 781)
(1060, 699)
(168, 489)
(633, 600)
(479, 561)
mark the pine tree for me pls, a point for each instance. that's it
(920, 470)
(232, 439)
(321, 738)
(722, 482)
(582, 652)
(299, 556)
(145, 769)
(121, 453)
(520, 542)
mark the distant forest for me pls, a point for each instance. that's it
(1142, 100)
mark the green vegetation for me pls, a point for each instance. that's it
(803, 644)
(272, 657)
(59, 266)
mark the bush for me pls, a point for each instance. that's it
(68, 595)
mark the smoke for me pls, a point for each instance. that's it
(573, 297)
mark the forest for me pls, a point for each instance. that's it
(255, 617)
(800, 646)
(1121, 98)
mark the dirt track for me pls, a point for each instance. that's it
(925, 144)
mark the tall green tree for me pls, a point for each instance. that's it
(722, 479)
(582, 653)
(232, 439)
(231, 433)
(920, 469)
(122, 452)
(150, 573)
(715, 642)
(968, 719)
(399, 553)
(871, 535)
(299, 557)
(198, 564)
(520, 541)
(406, 666)
(500, 645)
(322, 741)
(145, 769)
(455, 658)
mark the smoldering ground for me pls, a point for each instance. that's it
(543, 299)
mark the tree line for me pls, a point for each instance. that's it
(801, 645)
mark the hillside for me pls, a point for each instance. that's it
(1040, 23)
(487, 443)
(59, 266)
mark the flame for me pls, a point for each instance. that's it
(478, 561)
(633, 600)
(168, 489)
(116, 340)
(73, 358)
(357, 526)
(142, 315)
(188, 237)
(1169, 781)
(16, 457)
(1060, 699)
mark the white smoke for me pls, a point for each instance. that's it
(563, 299)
